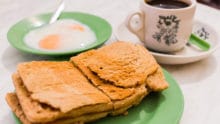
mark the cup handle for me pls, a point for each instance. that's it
(138, 30)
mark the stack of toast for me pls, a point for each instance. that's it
(92, 85)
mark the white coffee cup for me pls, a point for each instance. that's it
(162, 29)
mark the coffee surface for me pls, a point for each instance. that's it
(168, 4)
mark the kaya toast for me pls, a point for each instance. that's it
(122, 98)
(60, 87)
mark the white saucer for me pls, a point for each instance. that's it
(188, 54)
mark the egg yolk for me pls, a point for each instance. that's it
(77, 27)
(50, 42)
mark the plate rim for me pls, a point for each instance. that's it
(48, 53)
(181, 95)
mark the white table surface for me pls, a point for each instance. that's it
(199, 81)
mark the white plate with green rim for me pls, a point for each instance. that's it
(17, 32)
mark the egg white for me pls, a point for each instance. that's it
(69, 39)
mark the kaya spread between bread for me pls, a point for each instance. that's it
(92, 85)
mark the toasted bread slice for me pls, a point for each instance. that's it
(69, 94)
(122, 98)
(14, 104)
(38, 112)
(59, 84)
(122, 63)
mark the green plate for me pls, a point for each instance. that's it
(157, 108)
(18, 31)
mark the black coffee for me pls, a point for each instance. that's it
(168, 4)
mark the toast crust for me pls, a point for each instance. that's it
(14, 104)
(156, 81)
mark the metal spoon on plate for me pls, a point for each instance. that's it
(57, 13)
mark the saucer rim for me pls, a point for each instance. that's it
(200, 55)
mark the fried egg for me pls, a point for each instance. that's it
(63, 35)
